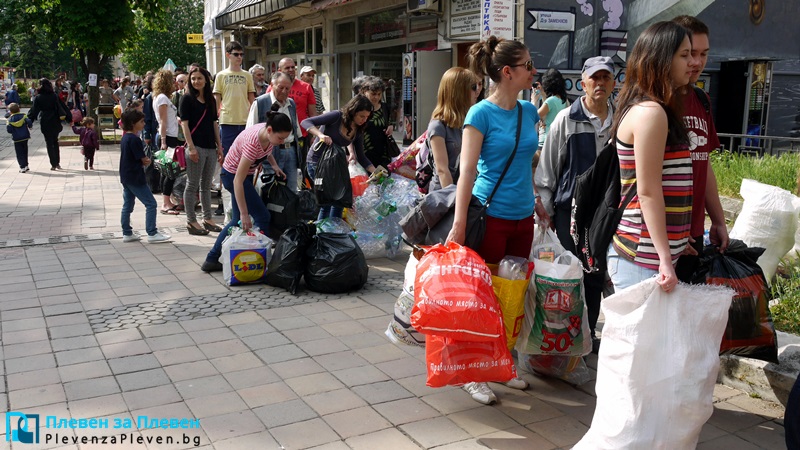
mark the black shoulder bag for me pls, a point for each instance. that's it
(476, 214)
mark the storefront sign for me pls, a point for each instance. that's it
(552, 20)
(465, 6)
(497, 18)
(466, 25)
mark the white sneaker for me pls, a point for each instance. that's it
(480, 392)
(130, 238)
(158, 238)
(23, 169)
(517, 383)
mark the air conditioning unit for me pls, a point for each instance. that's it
(423, 6)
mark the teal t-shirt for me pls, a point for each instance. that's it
(514, 199)
(554, 106)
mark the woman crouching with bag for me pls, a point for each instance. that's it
(496, 158)
(251, 147)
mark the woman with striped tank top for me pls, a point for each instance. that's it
(652, 145)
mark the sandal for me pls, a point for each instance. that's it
(170, 211)
(195, 231)
(212, 227)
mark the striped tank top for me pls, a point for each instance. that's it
(632, 240)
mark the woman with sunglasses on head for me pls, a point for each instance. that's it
(654, 159)
(458, 91)
(489, 140)
(198, 112)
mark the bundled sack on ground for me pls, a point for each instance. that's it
(335, 264)
(282, 203)
(571, 369)
(377, 213)
(657, 367)
(750, 331)
(288, 262)
(245, 256)
(454, 297)
(400, 330)
(768, 220)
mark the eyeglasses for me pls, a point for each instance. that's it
(528, 65)
(237, 54)
(476, 87)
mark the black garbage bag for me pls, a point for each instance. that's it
(282, 203)
(336, 264)
(307, 206)
(332, 180)
(750, 331)
(152, 175)
(288, 261)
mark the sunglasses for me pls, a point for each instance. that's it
(528, 65)
(237, 54)
(477, 86)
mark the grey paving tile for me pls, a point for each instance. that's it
(280, 353)
(342, 360)
(247, 442)
(408, 410)
(334, 401)
(133, 363)
(200, 387)
(289, 323)
(70, 357)
(23, 324)
(251, 377)
(140, 380)
(433, 432)
(231, 425)
(98, 406)
(179, 355)
(30, 363)
(307, 434)
(162, 329)
(149, 397)
(66, 331)
(314, 383)
(123, 349)
(36, 396)
(190, 370)
(214, 405)
(356, 422)
(232, 320)
(95, 387)
(306, 334)
(516, 438)
(255, 327)
(27, 349)
(26, 313)
(236, 362)
(21, 337)
(211, 335)
(206, 323)
(360, 375)
(381, 392)
(267, 394)
(261, 341)
(284, 413)
(296, 368)
(74, 343)
(84, 371)
(224, 348)
(67, 319)
(322, 346)
(388, 438)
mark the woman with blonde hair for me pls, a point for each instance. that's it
(458, 91)
(166, 114)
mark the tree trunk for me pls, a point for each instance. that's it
(92, 62)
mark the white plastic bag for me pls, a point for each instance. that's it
(556, 321)
(400, 330)
(245, 256)
(768, 220)
(657, 366)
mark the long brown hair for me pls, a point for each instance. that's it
(355, 105)
(453, 99)
(646, 76)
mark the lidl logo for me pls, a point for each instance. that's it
(21, 427)
(248, 266)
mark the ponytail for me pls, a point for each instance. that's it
(487, 58)
(279, 122)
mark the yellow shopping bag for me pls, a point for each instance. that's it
(511, 297)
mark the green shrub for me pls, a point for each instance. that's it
(786, 288)
(730, 168)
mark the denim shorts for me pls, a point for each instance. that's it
(624, 273)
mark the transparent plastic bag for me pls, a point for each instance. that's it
(245, 256)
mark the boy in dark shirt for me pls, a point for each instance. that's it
(19, 125)
(134, 185)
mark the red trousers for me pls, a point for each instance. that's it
(506, 237)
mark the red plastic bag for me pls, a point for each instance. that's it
(358, 179)
(452, 362)
(454, 296)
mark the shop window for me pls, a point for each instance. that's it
(318, 40)
(345, 33)
(293, 43)
(314, 40)
(272, 46)
(382, 26)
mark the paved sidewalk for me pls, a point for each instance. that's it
(94, 328)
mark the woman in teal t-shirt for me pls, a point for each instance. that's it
(555, 90)
(490, 130)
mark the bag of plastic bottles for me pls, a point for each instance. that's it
(245, 256)
(400, 329)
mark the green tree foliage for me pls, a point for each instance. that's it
(151, 47)
(95, 29)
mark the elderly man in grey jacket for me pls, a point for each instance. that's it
(576, 136)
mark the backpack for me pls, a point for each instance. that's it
(424, 160)
(596, 208)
